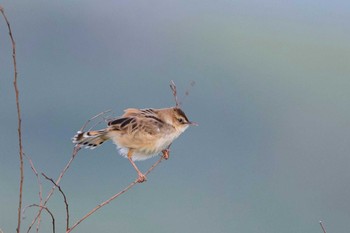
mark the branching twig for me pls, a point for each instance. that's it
(93, 118)
(19, 121)
(114, 196)
(173, 88)
(104, 119)
(178, 103)
(39, 184)
(323, 229)
(43, 208)
(64, 198)
(74, 153)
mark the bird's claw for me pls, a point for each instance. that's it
(142, 178)
(166, 153)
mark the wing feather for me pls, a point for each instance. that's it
(140, 121)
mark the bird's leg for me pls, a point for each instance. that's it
(141, 177)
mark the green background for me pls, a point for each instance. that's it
(271, 153)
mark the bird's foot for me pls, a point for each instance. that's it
(142, 178)
(166, 153)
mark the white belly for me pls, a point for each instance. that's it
(147, 152)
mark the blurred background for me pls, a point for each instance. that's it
(270, 154)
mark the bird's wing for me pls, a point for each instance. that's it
(138, 121)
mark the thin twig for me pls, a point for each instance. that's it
(19, 121)
(39, 184)
(178, 103)
(114, 196)
(104, 119)
(42, 208)
(93, 118)
(64, 199)
(323, 229)
(173, 88)
(74, 153)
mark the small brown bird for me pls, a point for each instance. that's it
(139, 133)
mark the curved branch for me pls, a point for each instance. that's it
(74, 153)
(43, 208)
(64, 199)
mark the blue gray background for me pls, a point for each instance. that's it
(271, 153)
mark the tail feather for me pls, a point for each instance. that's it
(90, 139)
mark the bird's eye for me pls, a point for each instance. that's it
(180, 120)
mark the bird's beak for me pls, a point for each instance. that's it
(193, 123)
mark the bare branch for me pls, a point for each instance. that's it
(74, 153)
(323, 229)
(42, 208)
(93, 118)
(76, 149)
(19, 120)
(173, 88)
(64, 199)
(104, 119)
(114, 196)
(39, 184)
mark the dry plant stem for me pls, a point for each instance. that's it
(93, 118)
(39, 184)
(114, 196)
(74, 153)
(99, 122)
(64, 199)
(43, 208)
(323, 229)
(173, 88)
(19, 121)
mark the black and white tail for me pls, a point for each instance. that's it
(90, 139)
